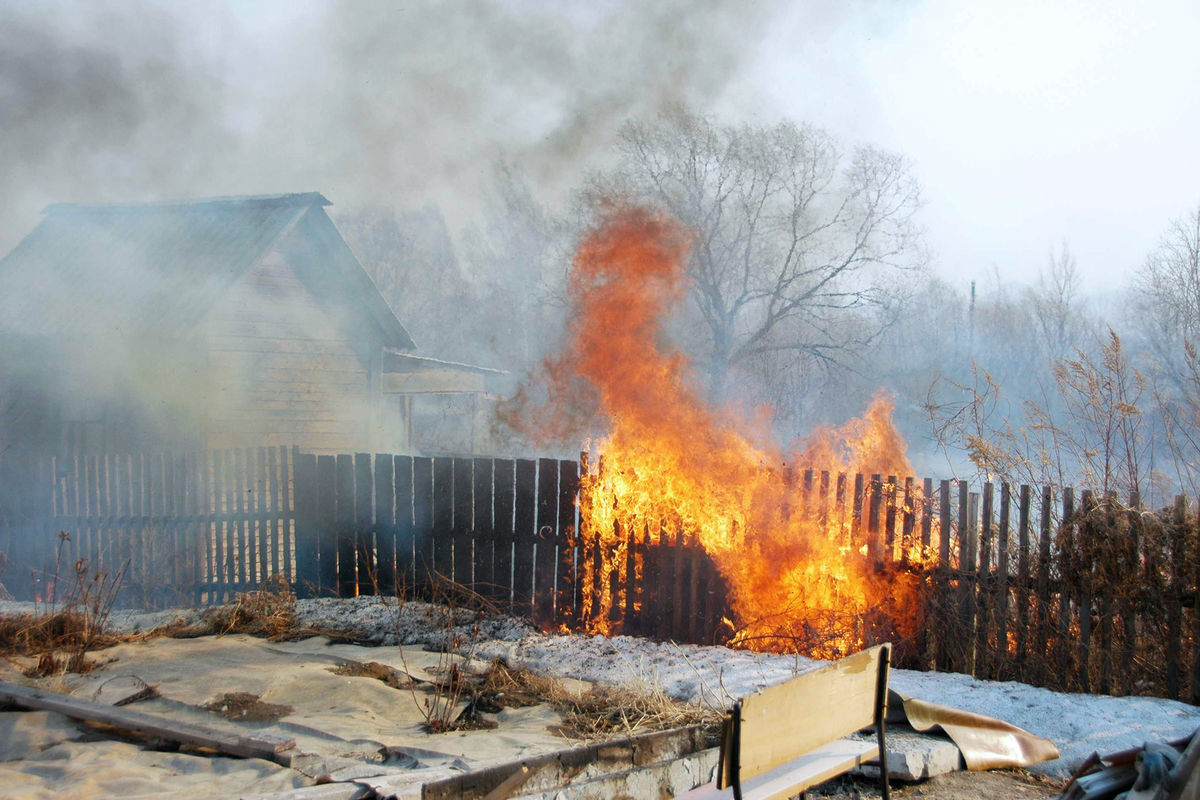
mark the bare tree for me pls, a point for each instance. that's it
(1056, 306)
(1167, 292)
(798, 247)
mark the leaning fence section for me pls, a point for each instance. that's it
(1071, 590)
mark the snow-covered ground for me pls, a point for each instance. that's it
(1077, 724)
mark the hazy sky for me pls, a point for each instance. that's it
(1027, 122)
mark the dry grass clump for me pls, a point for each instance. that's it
(604, 711)
(269, 612)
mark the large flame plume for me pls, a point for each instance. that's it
(798, 570)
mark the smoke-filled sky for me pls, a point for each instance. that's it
(1027, 122)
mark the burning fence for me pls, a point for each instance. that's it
(798, 576)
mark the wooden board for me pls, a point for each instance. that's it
(808, 711)
(792, 777)
(271, 748)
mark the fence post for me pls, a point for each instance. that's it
(1174, 597)
(1001, 654)
(943, 577)
(307, 535)
(983, 660)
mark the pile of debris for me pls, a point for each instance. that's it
(1155, 771)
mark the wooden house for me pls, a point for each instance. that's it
(204, 324)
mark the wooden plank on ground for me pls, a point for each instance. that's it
(791, 778)
(257, 745)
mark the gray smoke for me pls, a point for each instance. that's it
(368, 102)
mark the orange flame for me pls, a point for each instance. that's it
(799, 572)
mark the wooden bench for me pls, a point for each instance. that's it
(780, 741)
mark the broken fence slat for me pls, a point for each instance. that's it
(265, 746)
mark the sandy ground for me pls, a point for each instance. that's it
(355, 725)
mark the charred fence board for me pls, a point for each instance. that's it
(503, 504)
(363, 558)
(546, 544)
(524, 534)
(464, 511)
(566, 585)
(384, 576)
(443, 520)
(423, 520)
(308, 577)
(1002, 582)
(484, 530)
(403, 468)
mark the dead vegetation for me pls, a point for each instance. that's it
(373, 669)
(62, 636)
(246, 707)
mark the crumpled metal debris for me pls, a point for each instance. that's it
(1154, 771)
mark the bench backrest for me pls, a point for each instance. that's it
(779, 723)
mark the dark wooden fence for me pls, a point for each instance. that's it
(1075, 592)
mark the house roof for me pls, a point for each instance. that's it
(161, 266)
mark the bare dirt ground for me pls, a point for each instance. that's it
(997, 785)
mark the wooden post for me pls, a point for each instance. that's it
(910, 521)
(384, 577)
(944, 656)
(406, 530)
(503, 547)
(1002, 580)
(546, 542)
(262, 537)
(424, 532)
(1083, 587)
(483, 532)
(1196, 617)
(566, 587)
(890, 493)
(1023, 593)
(276, 524)
(327, 571)
(1128, 605)
(874, 543)
(364, 524)
(1175, 598)
(965, 661)
(464, 522)
(442, 562)
(983, 655)
(524, 534)
(1041, 643)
